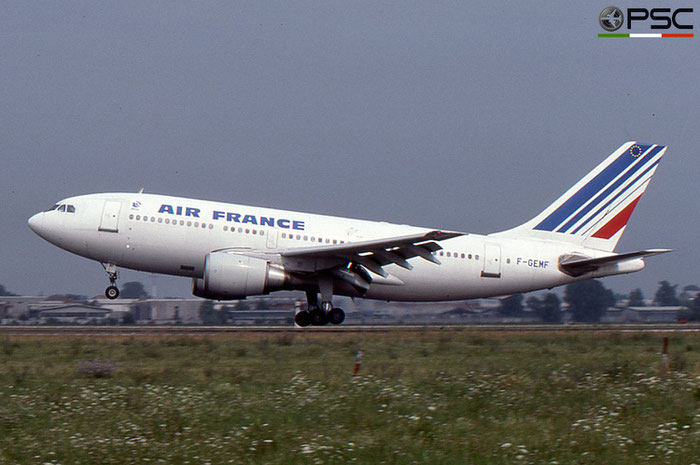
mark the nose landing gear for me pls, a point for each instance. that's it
(112, 292)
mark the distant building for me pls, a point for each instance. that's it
(72, 314)
(261, 317)
(167, 311)
(17, 309)
(653, 314)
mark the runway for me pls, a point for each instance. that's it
(349, 329)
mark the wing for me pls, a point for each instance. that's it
(575, 265)
(376, 254)
(349, 261)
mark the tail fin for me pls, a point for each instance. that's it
(595, 211)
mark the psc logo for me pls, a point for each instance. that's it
(612, 18)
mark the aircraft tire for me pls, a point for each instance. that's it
(302, 319)
(318, 317)
(112, 292)
(336, 316)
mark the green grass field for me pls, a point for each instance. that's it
(421, 397)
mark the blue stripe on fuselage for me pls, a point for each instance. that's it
(645, 159)
(589, 190)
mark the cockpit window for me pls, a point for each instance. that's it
(71, 209)
(52, 208)
(62, 208)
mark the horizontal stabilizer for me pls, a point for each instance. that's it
(576, 265)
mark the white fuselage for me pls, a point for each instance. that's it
(173, 235)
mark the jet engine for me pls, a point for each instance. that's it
(230, 276)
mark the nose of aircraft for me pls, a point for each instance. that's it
(35, 223)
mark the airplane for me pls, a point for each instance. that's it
(234, 251)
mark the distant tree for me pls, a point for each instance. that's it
(5, 292)
(688, 294)
(210, 316)
(511, 306)
(133, 290)
(548, 308)
(694, 309)
(636, 298)
(588, 300)
(666, 295)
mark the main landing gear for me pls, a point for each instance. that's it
(319, 316)
(112, 292)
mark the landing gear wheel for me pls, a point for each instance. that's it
(302, 319)
(112, 292)
(318, 317)
(336, 316)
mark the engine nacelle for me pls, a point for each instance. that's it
(230, 276)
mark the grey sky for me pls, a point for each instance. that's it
(458, 115)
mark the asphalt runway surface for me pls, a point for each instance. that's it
(212, 330)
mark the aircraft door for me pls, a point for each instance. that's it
(492, 261)
(272, 239)
(110, 216)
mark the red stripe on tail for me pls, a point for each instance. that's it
(617, 223)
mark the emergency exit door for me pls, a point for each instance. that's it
(492, 261)
(110, 216)
(272, 239)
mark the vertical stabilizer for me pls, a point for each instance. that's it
(595, 211)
